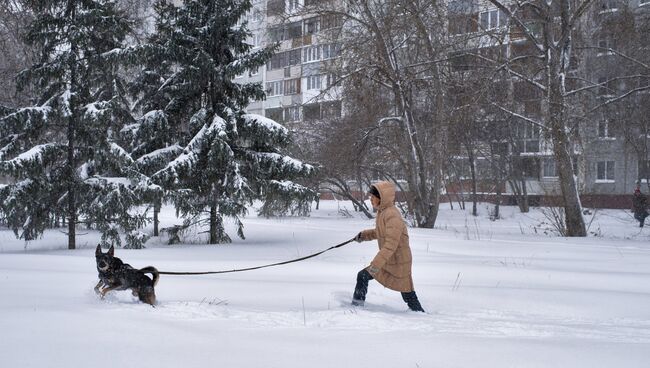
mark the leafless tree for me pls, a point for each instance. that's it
(549, 29)
(397, 49)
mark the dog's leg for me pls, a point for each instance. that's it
(97, 286)
(106, 290)
(147, 295)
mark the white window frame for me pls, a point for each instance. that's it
(606, 166)
(531, 134)
(293, 5)
(291, 86)
(314, 82)
(606, 136)
(316, 22)
(331, 80)
(275, 88)
(549, 163)
(292, 113)
(312, 54)
(493, 18)
(329, 51)
(256, 40)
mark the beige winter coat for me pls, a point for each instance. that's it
(394, 258)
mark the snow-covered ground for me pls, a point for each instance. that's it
(498, 294)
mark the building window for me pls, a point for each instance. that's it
(331, 21)
(293, 5)
(463, 23)
(274, 88)
(605, 87)
(292, 86)
(274, 114)
(311, 53)
(529, 135)
(311, 112)
(292, 113)
(491, 19)
(605, 43)
(331, 50)
(331, 110)
(530, 168)
(605, 171)
(644, 170)
(311, 25)
(332, 79)
(275, 7)
(313, 82)
(283, 59)
(286, 32)
(256, 15)
(257, 40)
(549, 170)
(609, 5)
(604, 131)
(320, 52)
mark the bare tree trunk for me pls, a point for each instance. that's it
(497, 205)
(562, 148)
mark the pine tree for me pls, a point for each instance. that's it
(64, 153)
(228, 158)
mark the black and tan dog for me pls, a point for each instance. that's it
(117, 275)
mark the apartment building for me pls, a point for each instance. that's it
(611, 154)
(608, 163)
(616, 154)
(299, 79)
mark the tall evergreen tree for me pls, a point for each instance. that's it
(228, 158)
(64, 152)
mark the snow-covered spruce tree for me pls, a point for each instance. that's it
(154, 139)
(63, 153)
(229, 158)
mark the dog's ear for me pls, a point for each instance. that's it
(98, 251)
(111, 251)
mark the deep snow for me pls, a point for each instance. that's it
(498, 294)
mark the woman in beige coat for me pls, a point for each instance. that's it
(391, 266)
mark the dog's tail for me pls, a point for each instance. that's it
(153, 271)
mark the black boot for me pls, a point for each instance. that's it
(412, 301)
(361, 289)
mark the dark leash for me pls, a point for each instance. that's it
(258, 267)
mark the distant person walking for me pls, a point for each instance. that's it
(639, 206)
(391, 266)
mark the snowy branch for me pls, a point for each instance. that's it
(618, 98)
(536, 123)
(520, 24)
